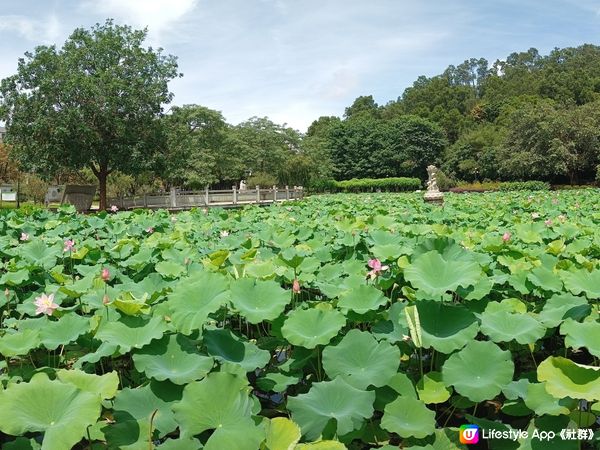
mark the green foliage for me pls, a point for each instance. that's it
(261, 179)
(282, 335)
(524, 186)
(398, 184)
(35, 188)
(94, 102)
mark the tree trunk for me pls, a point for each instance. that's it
(102, 174)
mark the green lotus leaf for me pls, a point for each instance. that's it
(541, 402)
(584, 334)
(564, 378)
(583, 281)
(22, 443)
(19, 343)
(311, 327)
(331, 400)
(276, 382)
(226, 347)
(259, 300)
(431, 388)
(545, 279)
(193, 300)
(434, 275)
(15, 278)
(140, 404)
(105, 385)
(361, 361)
(446, 327)
(131, 331)
(170, 269)
(362, 299)
(64, 331)
(530, 233)
(229, 414)
(504, 326)
(282, 434)
(479, 371)
(180, 444)
(39, 254)
(59, 410)
(173, 358)
(130, 305)
(106, 349)
(127, 434)
(561, 306)
(321, 445)
(408, 417)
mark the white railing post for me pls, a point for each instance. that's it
(274, 194)
(206, 196)
(257, 193)
(287, 192)
(235, 199)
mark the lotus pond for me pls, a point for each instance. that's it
(347, 321)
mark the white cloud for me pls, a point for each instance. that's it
(158, 15)
(35, 30)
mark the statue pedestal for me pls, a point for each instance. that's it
(435, 197)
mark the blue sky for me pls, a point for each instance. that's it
(296, 60)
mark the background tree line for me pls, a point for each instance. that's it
(94, 110)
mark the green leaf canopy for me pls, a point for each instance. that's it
(220, 402)
(434, 275)
(173, 358)
(479, 371)
(331, 400)
(361, 361)
(311, 327)
(59, 410)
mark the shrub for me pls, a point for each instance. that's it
(444, 181)
(261, 179)
(322, 185)
(598, 175)
(524, 186)
(35, 188)
(379, 184)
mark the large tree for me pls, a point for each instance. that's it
(93, 103)
(196, 153)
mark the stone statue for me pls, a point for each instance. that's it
(433, 193)
(243, 185)
(432, 181)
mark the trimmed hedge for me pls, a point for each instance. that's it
(399, 184)
(524, 186)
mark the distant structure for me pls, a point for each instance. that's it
(433, 194)
(2, 134)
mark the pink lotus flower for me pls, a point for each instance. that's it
(45, 304)
(506, 237)
(375, 264)
(105, 300)
(24, 237)
(562, 218)
(114, 208)
(150, 230)
(548, 222)
(296, 286)
(535, 215)
(105, 274)
(69, 246)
